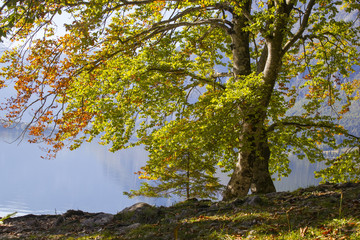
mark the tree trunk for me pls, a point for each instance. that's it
(262, 181)
(252, 166)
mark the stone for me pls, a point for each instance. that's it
(103, 218)
(214, 207)
(191, 200)
(237, 202)
(71, 213)
(136, 207)
(139, 213)
(132, 226)
(125, 229)
(60, 220)
(253, 201)
(99, 219)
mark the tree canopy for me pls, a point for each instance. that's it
(210, 79)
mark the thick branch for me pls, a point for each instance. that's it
(262, 61)
(306, 125)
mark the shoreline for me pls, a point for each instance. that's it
(303, 213)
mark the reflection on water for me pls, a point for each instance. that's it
(89, 179)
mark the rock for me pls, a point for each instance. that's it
(132, 226)
(136, 207)
(182, 214)
(253, 201)
(139, 213)
(60, 220)
(98, 219)
(125, 229)
(203, 204)
(237, 202)
(87, 222)
(103, 218)
(191, 200)
(279, 194)
(214, 207)
(71, 213)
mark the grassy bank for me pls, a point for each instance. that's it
(323, 212)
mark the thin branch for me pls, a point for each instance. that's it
(192, 75)
(4, 5)
(148, 34)
(302, 28)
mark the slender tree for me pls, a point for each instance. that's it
(179, 165)
(227, 71)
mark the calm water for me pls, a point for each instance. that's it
(89, 179)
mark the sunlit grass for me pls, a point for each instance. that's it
(328, 212)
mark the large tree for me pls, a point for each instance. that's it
(213, 76)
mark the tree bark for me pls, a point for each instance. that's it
(251, 169)
(262, 181)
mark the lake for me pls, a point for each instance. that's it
(89, 179)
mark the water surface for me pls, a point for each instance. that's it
(88, 179)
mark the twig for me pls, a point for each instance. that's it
(341, 202)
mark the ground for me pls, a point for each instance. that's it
(329, 211)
